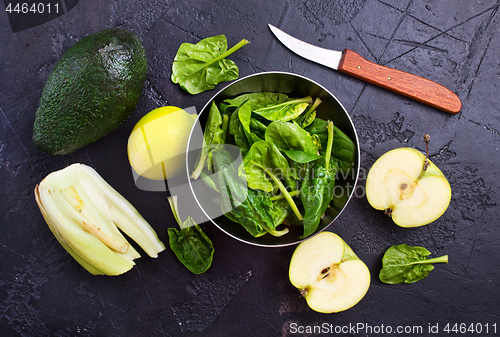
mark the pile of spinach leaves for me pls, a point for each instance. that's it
(291, 160)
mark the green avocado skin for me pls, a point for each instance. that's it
(92, 90)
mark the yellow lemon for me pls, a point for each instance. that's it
(157, 144)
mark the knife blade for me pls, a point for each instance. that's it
(351, 63)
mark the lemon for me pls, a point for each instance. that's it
(157, 144)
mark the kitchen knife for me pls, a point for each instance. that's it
(353, 64)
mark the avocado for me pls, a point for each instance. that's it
(92, 90)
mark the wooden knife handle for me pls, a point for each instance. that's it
(415, 87)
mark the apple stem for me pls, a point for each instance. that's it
(426, 162)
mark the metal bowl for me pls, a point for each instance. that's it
(294, 86)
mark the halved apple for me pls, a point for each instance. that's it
(328, 273)
(408, 187)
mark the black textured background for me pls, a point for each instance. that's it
(246, 292)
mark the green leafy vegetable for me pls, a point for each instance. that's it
(285, 111)
(317, 188)
(403, 263)
(343, 149)
(286, 150)
(263, 165)
(239, 128)
(202, 66)
(258, 99)
(309, 115)
(280, 211)
(294, 141)
(191, 246)
(215, 133)
(252, 209)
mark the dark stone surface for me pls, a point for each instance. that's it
(246, 292)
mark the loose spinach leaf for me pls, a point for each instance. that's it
(202, 66)
(317, 189)
(285, 111)
(191, 246)
(264, 164)
(403, 263)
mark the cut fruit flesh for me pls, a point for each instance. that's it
(345, 287)
(383, 179)
(328, 273)
(398, 184)
(323, 252)
(426, 207)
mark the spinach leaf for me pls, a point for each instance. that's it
(283, 144)
(301, 157)
(285, 111)
(343, 150)
(209, 182)
(250, 208)
(280, 211)
(264, 164)
(258, 99)
(244, 112)
(258, 128)
(294, 141)
(317, 189)
(403, 263)
(215, 133)
(191, 246)
(309, 115)
(237, 129)
(202, 66)
(245, 115)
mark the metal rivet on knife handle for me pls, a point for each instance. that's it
(412, 86)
